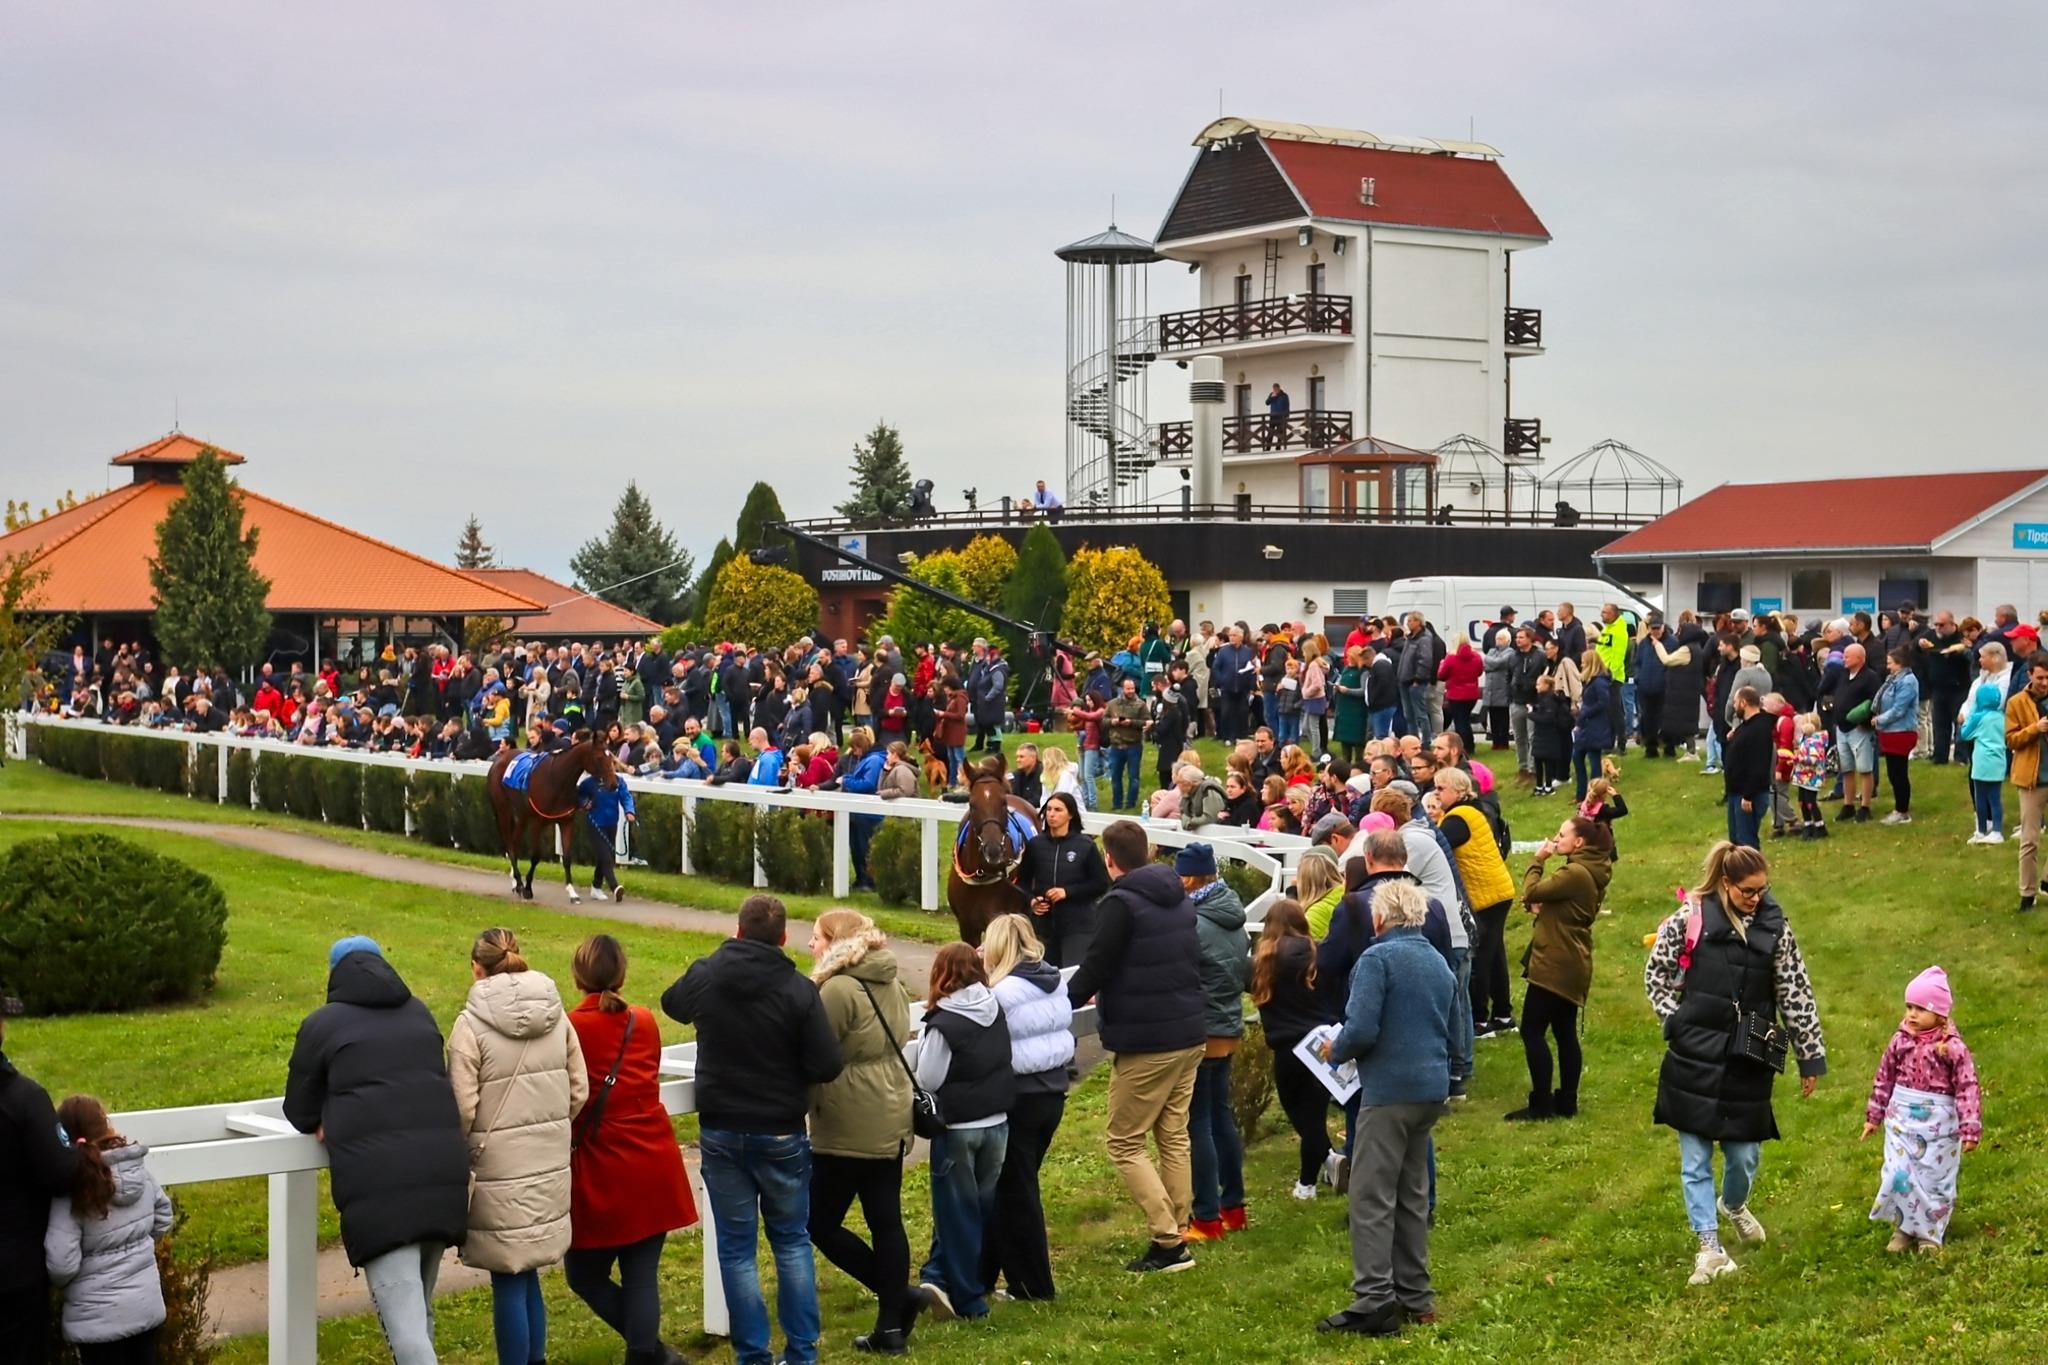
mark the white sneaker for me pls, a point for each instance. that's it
(1710, 1265)
(1304, 1192)
(597, 894)
(1994, 837)
(1746, 1225)
(1897, 817)
(1978, 838)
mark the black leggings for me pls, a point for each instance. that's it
(1809, 807)
(1490, 989)
(139, 1349)
(605, 874)
(1551, 771)
(1897, 771)
(1543, 1012)
(884, 1268)
(1307, 1106)
(1458, 718)
(631, 1306)
(1013, 1244)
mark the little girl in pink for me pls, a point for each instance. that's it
(1926, 1099)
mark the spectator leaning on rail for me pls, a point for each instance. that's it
(367, 1078)
(762, 1041)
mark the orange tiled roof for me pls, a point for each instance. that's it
(569, 615)
(97, 556)
(176, 448)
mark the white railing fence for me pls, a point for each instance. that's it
(1270, 856)
(234, 1141)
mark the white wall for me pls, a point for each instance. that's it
(1963, 586)
(1258, 603)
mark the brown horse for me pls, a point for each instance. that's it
(549, 801)
(982, 882)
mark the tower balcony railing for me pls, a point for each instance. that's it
(1522, 329)
(1256, 320)
(1313, 430)
(1521, 436)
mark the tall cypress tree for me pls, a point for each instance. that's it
(635, 564)
(881, 477)
(470, 551)
(209, 598)
(1036, 592)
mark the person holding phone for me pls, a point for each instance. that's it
(1062, 876)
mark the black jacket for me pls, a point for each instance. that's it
(1074, 863)
(1144, 966)
(368, 1065)
(1700, 1089)
(1294, 1008)
(1749, 758)
(1523, 671)
(1030, 786)
(762, 1037)
(34, 1168)
(1685, 683)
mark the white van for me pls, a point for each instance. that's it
(1453, 602)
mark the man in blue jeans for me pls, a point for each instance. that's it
(1748, 763)
(762, 1041)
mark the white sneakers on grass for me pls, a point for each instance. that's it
(1304, 1192)
(1746, 1225)
(1710, 1264)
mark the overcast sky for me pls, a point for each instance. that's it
(416, 261)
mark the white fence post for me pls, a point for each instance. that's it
(928, 863)
(842, 853)
(689, 822)
(717, 1317)
(220, 791)
(294, 1268)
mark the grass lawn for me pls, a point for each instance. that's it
(1563, 1240)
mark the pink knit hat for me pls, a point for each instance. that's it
(1929, 991)
(1377, 820)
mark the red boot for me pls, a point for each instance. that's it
(1233, 1219)
(1205, 1230)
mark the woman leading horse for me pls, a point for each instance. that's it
(982, 881)
(548, 799)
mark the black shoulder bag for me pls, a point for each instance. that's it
(593, 1112)
(925, 1119)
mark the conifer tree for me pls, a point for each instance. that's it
(636, 564)
(881, 478)
(470, 551)
(209, 598)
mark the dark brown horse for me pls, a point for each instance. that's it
(982, 882)
(549, 801)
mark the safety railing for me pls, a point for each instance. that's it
(238, 1140)
(1269, 856)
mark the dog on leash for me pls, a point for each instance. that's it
(933, 766)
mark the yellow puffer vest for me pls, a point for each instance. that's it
(1484, 871)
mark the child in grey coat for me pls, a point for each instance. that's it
(101, 1244)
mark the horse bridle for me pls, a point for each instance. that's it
(987, 877)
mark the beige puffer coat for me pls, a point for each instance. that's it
(517, 1125)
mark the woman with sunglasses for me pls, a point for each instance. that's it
(1724, 969)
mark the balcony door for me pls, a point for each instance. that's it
(1363, 494)
(1316, 277)
(1241, 406)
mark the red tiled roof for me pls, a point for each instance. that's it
(176, 448)
(569, 615)
(97, 557)
(1908, 512)
(1410, 189)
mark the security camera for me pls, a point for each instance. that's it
(1308, 606)
(1274, 552)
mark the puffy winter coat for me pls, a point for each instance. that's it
(106, 1266)
(1041, 1019)
(1480, 866)
(1460, 673)
(1566, 902)
(368, 1066)
(519, 1078)
(1226, 956)
(864, 1111)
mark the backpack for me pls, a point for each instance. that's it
(1489, 806)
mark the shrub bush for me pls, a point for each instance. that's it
(795, 849)
(1248, 882)
(384, 799)
(302, 786)
(340, 784)
(659, 839)
(895, 862)
(99, 923)
(68, 751)
(241, 775)
(160, 764)
(270, 782)
(430, 812)
(471, 821)
(1251, 1081)
(722, 841)
(206, 773)
(117, 757)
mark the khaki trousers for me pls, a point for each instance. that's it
(2033, 800)
(1149, 1094)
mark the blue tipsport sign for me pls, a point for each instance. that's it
(1766, 606)
(2030, 535)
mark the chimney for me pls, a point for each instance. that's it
(1205, 392)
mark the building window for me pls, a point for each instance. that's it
(1720, 590)
(1316, 392)
(1813, 590)
(1893, 593)
(1315, 488)
(1316, 278)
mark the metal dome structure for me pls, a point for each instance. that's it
(1472, 474)
(1613, 483)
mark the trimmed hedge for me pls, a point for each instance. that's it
(241, 776)
(270, 782)
(795, 849)
(206, 776)
(659, 838)
(1251, 1081)
(100, 923)
(302, 785)
(1249, 883)
(894, 858)
(341, 792)
(722, 841)
(430, 808)
(384, 799)
(471, 820)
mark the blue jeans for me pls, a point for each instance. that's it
(1269, 703)
(1415, 708)
(1713, 748)
(1628, 713)
(519, 1319)
(858, 835)
(1091, 776)
(1743, 825)
(1288, 730)
(1123, 763)
(956, 759)
(1215, 1150)
(1461, 1024)
(1383, 721)
(753, 1179)
(1989, 799)
(1696, 1176)
(966, 1163)
(1585, 767)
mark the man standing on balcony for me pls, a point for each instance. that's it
(1048, 503)
(1278, 405)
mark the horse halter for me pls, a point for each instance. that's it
(1002, 872)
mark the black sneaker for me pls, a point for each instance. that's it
(1863, 815)
(1504, 1025)
(1166, 1258)
(1482, 1029)
(2026, 904)
(1845, 813)
(1385, 1322)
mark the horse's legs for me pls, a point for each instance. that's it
(567, 835)
(508, 823)
(532, 857)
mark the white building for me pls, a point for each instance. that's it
(1970, 542)
(1369, 277)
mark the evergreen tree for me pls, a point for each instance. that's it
(881, 478)
(470, 551)
(760, 508)
(700, 592)
(26, 629)
(209, 598)
(1036, 592)
(636, 564)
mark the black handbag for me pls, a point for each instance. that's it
(593, 1112)
(1757, 1038)
(925, 1119)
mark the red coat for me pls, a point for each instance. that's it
(1461, 672)
(626, 1175)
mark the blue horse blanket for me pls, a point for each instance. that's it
(1016, 826)
(521, 768)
